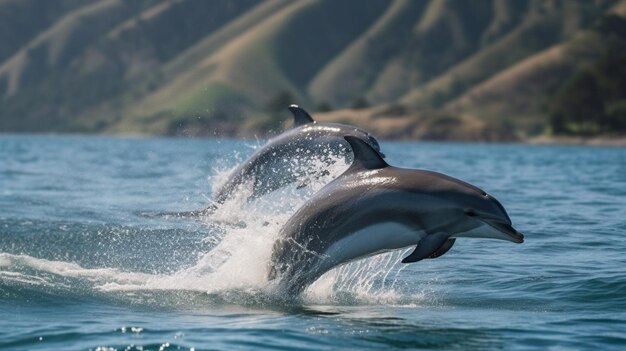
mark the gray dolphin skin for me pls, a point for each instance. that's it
(272, 166)
(374, 208)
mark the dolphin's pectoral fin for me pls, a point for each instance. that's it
(427, 247)
(447, 245)
(300, 116)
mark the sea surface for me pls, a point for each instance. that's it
(85, 265)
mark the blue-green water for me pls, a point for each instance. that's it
(80, 269)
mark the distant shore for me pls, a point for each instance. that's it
(577, 140)
(610, 141)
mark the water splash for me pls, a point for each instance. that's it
(241, 235)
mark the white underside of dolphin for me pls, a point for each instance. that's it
(369, 241)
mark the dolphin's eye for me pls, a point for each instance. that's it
(485, 194)
(471, 213)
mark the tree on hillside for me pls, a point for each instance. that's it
(579, 107)
(594, 99)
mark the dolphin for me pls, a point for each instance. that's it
(374, 208)
(286, 158)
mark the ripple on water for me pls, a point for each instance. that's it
(77, 264)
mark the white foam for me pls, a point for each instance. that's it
(24, 279)
(240, 259)
(15, 263)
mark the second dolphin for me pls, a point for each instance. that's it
(272, 166)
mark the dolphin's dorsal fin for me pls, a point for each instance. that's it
(365, 157)
(427, 247)
(300, 116)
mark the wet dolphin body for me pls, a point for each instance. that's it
(272, 166)
(374, 208)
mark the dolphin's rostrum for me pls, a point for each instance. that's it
(374, 208)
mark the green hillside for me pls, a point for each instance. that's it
(435, 69)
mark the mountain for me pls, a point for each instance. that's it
(432, 69)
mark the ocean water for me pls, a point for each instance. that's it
(81, 268)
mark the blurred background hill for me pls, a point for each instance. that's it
(433, 69)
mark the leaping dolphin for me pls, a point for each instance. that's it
(374, 208)
(272, 166)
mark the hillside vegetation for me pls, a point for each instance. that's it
(432, 69)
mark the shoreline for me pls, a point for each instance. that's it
(606, 141)
(599, 141)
